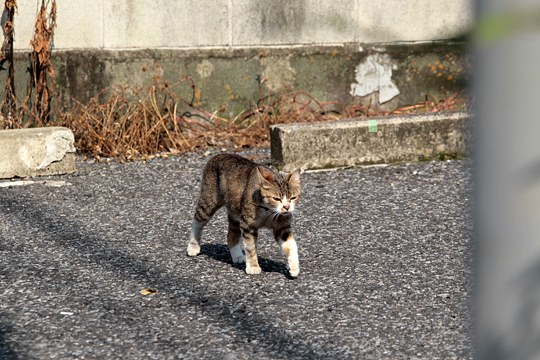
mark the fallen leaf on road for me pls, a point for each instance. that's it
(148, 291)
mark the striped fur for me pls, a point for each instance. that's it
(255, 197)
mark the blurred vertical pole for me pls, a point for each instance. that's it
(507, 182)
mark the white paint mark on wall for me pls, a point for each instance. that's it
(375, 74)
(205, 69)
(278, 72)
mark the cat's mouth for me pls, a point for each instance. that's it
(279, 212)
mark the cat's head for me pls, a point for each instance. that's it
(279, 191)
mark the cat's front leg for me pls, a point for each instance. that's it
(250, 245)
(285, 239)
(290, 249)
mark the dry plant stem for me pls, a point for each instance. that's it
(42, 71)
(147, 123)
(26, 113)
(9, 29)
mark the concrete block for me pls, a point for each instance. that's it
(79, 24)
(129, 24)
(165, 24)
(395, 20)
(372, 141)
(293, 22)
(37, 151)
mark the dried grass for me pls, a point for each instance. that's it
(455, 102)
(130, 127)
(131, 124)
(135, 124)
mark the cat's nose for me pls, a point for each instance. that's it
(286, 206)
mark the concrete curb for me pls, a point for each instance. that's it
(37, 151)
(375, 140)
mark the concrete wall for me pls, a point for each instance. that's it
(136, 24)
(381, 53)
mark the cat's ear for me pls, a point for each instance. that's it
(265, 173)
(294, 177)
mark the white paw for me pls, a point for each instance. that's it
(193, 249)
(237, 254)
(253, 270)
(294, 271)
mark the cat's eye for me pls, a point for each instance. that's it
(293, 198)
(276, 199)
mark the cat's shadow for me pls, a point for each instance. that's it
(221, 253)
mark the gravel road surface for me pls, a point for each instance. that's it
(93, 266)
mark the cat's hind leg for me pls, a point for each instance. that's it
(234, 243)
(206, 208)
(194, 244)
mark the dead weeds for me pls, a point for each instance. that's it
(41, 69)
(130, 124)
(140, 124)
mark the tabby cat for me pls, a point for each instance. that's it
(255, 197)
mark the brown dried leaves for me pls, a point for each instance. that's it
(132, 124)
(42, 75)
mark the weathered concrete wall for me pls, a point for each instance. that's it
(227, 80)
(130, 24)
(347, 52)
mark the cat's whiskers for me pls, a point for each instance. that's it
(269, 216)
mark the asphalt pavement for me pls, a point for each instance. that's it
(93, 266)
